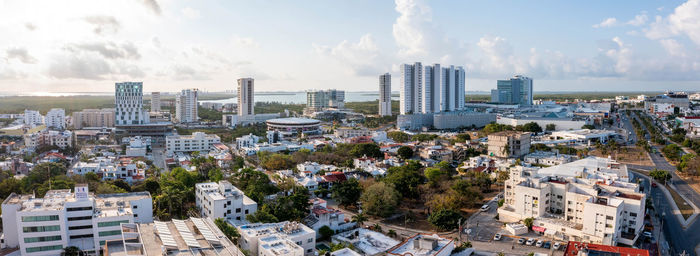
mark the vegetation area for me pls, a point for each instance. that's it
(371, 107)
(230, 135)
(341, 155)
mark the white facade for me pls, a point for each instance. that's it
(223, 200)
(247, 141)
(56, 118)
(433, 89)
(411, 81)
(33, 118)
(589, 200)
(155, 102)
(61, 139)
(186, 106)
(385, 94)
(44, 226)
(128, 99)
(246, 96)
(253, 236)
(509, 144)
(198, 141)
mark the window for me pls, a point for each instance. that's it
(81, 236)
(44, 248)
(609, 217)
(41, 239)
(80, 218)
(246, 211)
(41, 229)
(633, 214)
(110, 233)
(87, 208)
(111, 223)
(135, 207)
(39, 218)
(238, 210)
(80, 227)
(310, 240)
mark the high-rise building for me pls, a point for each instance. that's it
(317, 100)
(155, 102)
(33, 117)
(411, 88)
(56, 118)
(246, 96)
(385, 94)
(186, 106)
(93, 118)
(453, 94)
(517, 90)
(128, 99)
(432, 90)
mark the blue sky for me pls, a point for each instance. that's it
(298, 45)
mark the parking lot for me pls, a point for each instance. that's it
(482, 227)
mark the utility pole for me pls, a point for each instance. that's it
(48, 168)
(459, 230)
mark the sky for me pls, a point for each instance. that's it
(88, 45)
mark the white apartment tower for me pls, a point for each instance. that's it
(186, 106)
(33, 117)
(411, 88)
(128, 99)
(155, 102)
(432, 90)
(246, 101)
(56, 118)
(385, 94)
(452, 88)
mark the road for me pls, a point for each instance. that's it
(159, 158)
(679, 239)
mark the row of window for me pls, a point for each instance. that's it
(39, 218)
(44, 248)
(80, 218)
(111, 223)
(41, 229)
(41, 239)
(110, 233)
(86, 208)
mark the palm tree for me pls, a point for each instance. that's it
(359, 218)
(377, 227)
(391, 233)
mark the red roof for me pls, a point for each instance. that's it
(479, 169)
(573, 248)
(335, 177)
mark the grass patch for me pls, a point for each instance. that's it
(683, 206)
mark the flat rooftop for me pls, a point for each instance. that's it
(409, 247)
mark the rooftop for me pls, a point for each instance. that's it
(575, 248)
(293, 121)
(423, 245)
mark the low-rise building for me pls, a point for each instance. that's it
(255, 236)
(198, 141)
(223, 200)
(321, 216)
(349, 132)
(590, 200)
(44, 226)
(508, 144)
(61, 139)
(366, 241)
(547, 158)
(574, 248)
(33, 118)
(424, 244)
(124, 168)
(56, 118)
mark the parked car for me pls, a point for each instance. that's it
(530, 241)
(485, 207)
(653, 184)
(547, 245)
(521, 241)
(539, 243)
(497, 237)
(556, 246)
(647, 234)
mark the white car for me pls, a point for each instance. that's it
(539, 243)
(556, 246)
(497, 237)
(530, 241)
(485, 208)
(647, 234)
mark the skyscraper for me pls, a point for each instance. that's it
(411, 88)
(432, 90)
(186, 106)
(155, 102)
(385, 94)
(128, 100)
(517, 90)
(246, 101)
(452, 89)
(317, 100)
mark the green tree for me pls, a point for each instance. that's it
(325, 232)
(347, 193)
(528, 222)
(262, 215)
(660, 175)
(444, 219)
(71, 251)
(436, 175)
(405, 179)
(215, 175)
(380, 199)
(254, 184)
(588, 126)
(399, 137)
(366, 149)
(532, 127)
(463, 137)
(359, 218)
(405, 152)
(550, 127)
(229, 230)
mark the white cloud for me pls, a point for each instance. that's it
(244, 42)
(190, 13)
(103, 24)
(361, 58)
(21, 54)
(673, 47)
(685, 20)
(152, 5)
(609, 22)
(109, 50)
(638, 20)
(30, 26)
